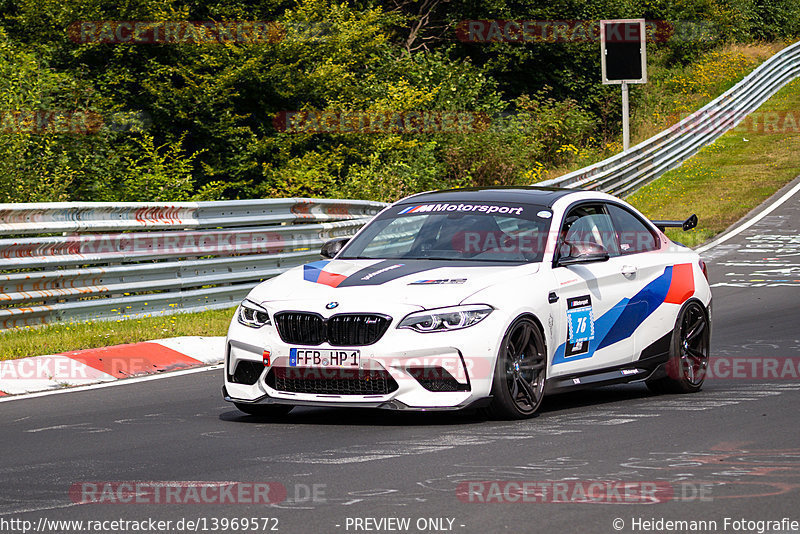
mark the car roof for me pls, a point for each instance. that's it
(542, 196)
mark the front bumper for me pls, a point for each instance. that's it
(467, 358)
(388, 405)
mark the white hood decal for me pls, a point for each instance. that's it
(345, 273)
(424, 283)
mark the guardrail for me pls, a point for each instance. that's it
(625, 172)
(124, 260)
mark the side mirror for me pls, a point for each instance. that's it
(579, 253)
(331, 248)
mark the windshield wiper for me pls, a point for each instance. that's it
(469, 260)
(435, 258)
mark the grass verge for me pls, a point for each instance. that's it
(673, 93)
(727, 179)
(52, 339)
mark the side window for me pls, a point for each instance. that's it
(589, 223)
(633, 234)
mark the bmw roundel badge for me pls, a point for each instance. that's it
(331, 305)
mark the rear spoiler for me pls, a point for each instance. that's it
(687, 225)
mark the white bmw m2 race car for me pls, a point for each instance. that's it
(486, 298)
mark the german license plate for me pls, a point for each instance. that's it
(324, 358)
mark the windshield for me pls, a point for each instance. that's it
(455, 231)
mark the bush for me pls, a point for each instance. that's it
(210, 107)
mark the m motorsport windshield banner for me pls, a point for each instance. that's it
(442, 207)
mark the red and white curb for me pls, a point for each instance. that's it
(106, 364)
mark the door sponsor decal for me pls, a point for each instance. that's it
(580, 325)
(674, 286)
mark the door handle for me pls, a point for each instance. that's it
(629, 270)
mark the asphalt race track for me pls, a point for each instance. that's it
(732, 450)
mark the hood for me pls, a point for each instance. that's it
(423, 283)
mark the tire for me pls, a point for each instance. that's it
(264, 410)
(688, 361)
(520, 372)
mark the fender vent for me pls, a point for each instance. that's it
(247, 372)
(436, 379)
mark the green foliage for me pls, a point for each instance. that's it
(209, 108)
(514, 147)
(38, 162)
(775, 19)
(391, 173)
(158, 173)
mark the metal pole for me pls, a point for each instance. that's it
(626, 129)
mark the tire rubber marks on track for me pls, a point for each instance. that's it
(759, 345)
(727, 470)
(769, 255)
(394, 449)
(714, 245)
(544, 425)
(733, 471)
(764, 261)
(768, 252)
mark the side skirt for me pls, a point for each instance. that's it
(650, 362)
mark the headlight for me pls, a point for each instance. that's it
(253, 315)
(446, 319)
